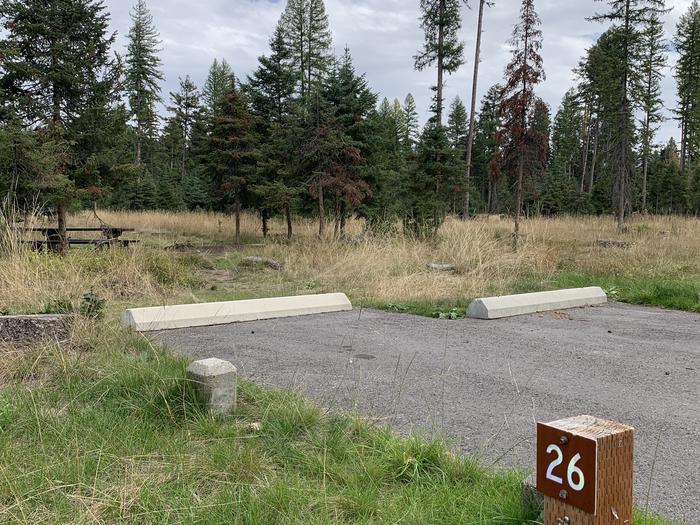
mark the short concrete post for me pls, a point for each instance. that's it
(216, 381)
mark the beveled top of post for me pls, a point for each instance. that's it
(590, 427)
(211, 367)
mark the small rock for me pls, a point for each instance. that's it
(270, 263)
(441, 267)
(610, 243)
(253, 427)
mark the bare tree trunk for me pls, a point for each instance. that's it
(62, 233)
(440, 63)
(489, 199)
(288, 214)
(518, 203)
(684, 140)
(586, 151)
(138, 151)
(336, 231)
(238, 222)
(265, 227)
(472, 117)
(645, 178)
(342, 218)
(594, 160)
(321, 213)
(621, 204)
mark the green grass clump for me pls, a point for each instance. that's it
(680, 293)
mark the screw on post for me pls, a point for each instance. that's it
(564, 521)
(563, 494)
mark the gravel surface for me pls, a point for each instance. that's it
(483, 384)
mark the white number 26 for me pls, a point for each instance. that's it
(571, 471)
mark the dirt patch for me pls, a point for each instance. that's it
(220, 276)
(210, 249)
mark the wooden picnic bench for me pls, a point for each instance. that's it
(111, 237)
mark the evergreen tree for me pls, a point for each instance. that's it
(308, 39)
(433, 182)
(486, 160)
(566, 138)
(219, 82)
(687, 44)
(349, 103)
(233, 154)
(350, 100)
(653, 63)
(143, 74)
(441, 21)
(458, 125)
(56, 65)
(271, 89)
(539, 128)
(411, 118)
(318, 44)
(184, 108)
(630, 18)
(666, 181)
(523, 73)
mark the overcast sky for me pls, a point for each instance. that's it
(383, 36)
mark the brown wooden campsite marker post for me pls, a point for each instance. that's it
(585, 471)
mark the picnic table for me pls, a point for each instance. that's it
(110, 237)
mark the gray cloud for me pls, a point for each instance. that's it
(383, 36)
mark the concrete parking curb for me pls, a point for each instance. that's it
(209, 314)
(512, 305)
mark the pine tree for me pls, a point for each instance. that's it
(307, 35)
(218, 83)
(350, 100)
(233, 154)
(56, 61)
(348, 105)
(523, 73)
(318, 45)
(630, 17)
(271, 89)
(184, 108)
(653, 64)
(441, 21)
(412, 131)
(486, 165)
(433, 182)
(328, 153)
(458, 125)
(566, 138)
(143, 74)
(538, 153)
(687, 44)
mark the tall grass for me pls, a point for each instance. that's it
(661, 262)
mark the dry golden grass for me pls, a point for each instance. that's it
(373, 270)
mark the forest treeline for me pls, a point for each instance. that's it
(305, 134)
